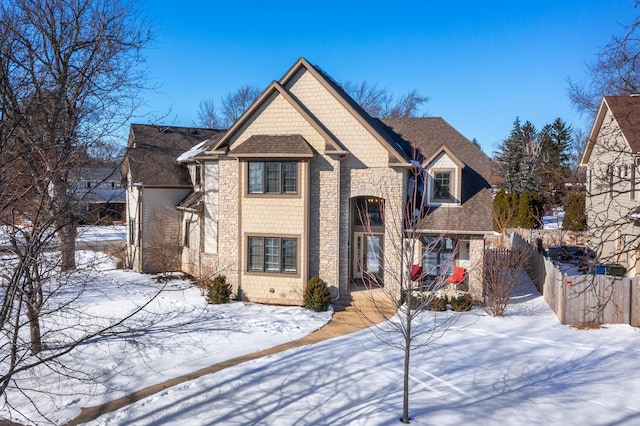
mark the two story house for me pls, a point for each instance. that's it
(305, 183)
(611, 158)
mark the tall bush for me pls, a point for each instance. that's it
(317, 295)
(530, 208)
(219, 290)
(574, 217)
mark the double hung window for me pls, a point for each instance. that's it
(272, 254)
(273, 177)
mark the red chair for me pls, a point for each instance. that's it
(416, 272)
(458, 275)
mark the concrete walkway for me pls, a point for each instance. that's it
(352, 313)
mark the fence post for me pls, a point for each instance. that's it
(562, 296)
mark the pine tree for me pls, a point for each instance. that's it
(517, 158)
(574, 217)
(555, 143)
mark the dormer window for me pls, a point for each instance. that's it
(442, 186)
(444, 175)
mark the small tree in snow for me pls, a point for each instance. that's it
(409, 322)
(502, 269)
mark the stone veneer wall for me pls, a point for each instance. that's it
(228, 216)
(385, 183)
(476, 275)
(324, 220)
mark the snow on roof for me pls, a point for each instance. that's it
(196, 150)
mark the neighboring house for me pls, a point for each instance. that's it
(99, 194)
(611, 158)
(307, 184)
(155, 184)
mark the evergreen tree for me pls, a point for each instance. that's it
(513, 204)
(574, 217)
(555, 142)
(530, 209)
(517, 158)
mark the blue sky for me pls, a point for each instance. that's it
(481, 63)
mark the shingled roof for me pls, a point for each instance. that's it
(152, 152)
(626, 110)
(270, 145)
(430, 134)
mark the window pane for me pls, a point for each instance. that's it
(441, 187)
(256, 253)
(272, 254)
(289, 255)
(255, 178)
(369, 211)
(438, 255)
(289, 178)
(632, 178)
(272, 172)
(373, 254)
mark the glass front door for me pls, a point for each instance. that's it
(367, 257)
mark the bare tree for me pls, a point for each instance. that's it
(234, 104)
(407, 299)
(69, 72)
(502, 272)
(208, 115)
(378, 102)
(615, 71)
(612, 194)
(576, 149)
(164, 246)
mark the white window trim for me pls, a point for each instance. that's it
(455, 187)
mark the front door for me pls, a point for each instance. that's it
(367, 257)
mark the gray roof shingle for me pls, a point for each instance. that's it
(274, 145)
(427, 135)
(152, 152)
(626, 110)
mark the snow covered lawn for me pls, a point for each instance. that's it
(522, 369)
(176, 334)
(101, 233)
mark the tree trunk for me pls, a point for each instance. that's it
(67, 233)
(407, 353)
(34, 305)
(34, 329)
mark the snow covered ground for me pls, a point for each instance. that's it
(102, 233)
(522, 369)
(553, 220)
(176, 334)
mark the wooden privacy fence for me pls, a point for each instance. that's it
(586, 299)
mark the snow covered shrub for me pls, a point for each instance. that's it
(317, 296)
(418, 300)
(438, 301)
(219, 290)
(461, 301)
